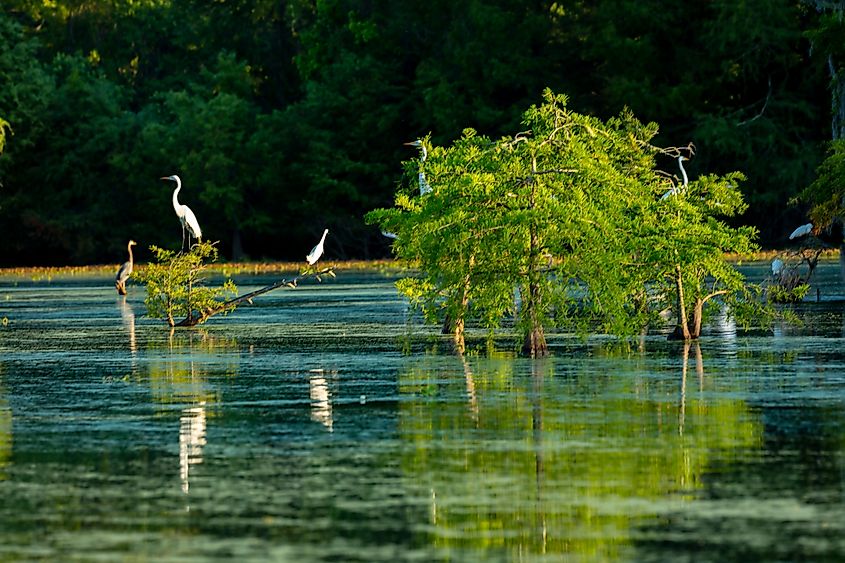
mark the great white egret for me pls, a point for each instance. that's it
(125, 271)
(186, 216)
(317, 251)
(424, 187)
(801, 231)
(675, 190)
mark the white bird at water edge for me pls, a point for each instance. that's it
(125, 271)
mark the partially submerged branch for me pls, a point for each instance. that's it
(198, 317)
(176, 288)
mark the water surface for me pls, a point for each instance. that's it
(327, 424)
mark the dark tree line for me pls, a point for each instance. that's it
(286, 117)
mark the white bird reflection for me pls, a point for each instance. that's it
(128, 317)
(191, 441)
(321, 400)
(699, 370)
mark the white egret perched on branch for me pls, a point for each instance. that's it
(125, 271)
(801, 231)
(424, 187)
(675, 190)
(317, 251)
(186, 216)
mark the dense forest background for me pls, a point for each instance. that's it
(286, 117)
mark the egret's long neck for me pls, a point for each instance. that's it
(424, 153)
(175, 194)
(322, 240)
(683, 172)
(129, 248)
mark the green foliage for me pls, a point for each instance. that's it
(175, 284)
(4, 128)
(826, 193)
(571, 213)
(777, 293)
(285, 117)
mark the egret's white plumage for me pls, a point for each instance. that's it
(424, 187)
(777, 267)
(681, 160)
(801, 231)
(125, 271)
(183, 212)
(317, 251)
(675, 189)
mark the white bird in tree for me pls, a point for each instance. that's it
(675, 190)
(778, 267)
(125, 271)
(424, 187)
(317, 251)
(183, 212)
(423, 183)
(801, 231)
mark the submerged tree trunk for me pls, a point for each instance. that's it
(458, 326)
(681, 331)
(534, 343)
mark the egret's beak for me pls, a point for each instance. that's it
(164, 178)
(412, 144)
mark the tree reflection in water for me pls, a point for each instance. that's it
(178, 377)
(559, 456)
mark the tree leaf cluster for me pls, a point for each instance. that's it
(568, 223)
(176, 285)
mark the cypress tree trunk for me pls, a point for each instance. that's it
(458, 326)
(681, 331)
(697, 313)
(534, 344)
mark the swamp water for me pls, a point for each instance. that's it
(322, 424)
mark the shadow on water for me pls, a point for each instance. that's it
(325, 424)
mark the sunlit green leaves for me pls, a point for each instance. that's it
(176, 287)
(827, 192)
(570, 214)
